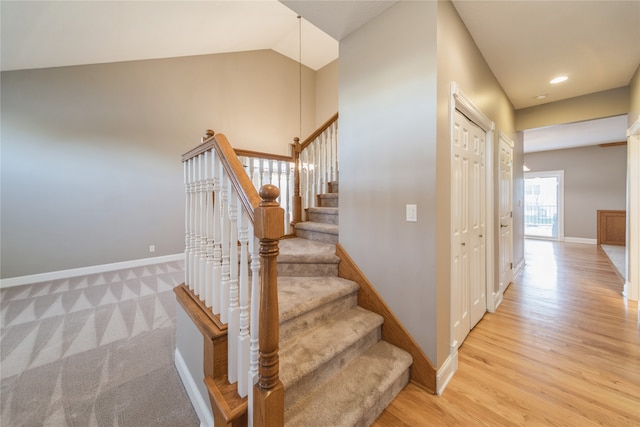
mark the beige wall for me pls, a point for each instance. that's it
(613, 102)
(594, 178)
(91, 170)
(326, 92)
(387, 160)
(394, 150)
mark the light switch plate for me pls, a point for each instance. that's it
(412, 213)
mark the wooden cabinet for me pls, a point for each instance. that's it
(612, 227)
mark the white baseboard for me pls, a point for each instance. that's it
(518, 269)
(198, 402)
(446, 371)
(82, 271)
(497, 298)
(580, 240)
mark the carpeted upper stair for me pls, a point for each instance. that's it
(335, 369)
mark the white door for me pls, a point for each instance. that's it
(505, 212)
(468, 275)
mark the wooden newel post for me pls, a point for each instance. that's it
(268, 405)
(297, 200)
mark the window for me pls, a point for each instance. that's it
(543, 205)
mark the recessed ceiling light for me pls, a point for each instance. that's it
(559, 79)
(541, 96)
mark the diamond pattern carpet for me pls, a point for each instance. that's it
(93, 350)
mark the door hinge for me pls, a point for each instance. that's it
(511, 265)
(511, 214)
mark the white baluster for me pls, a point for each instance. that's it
(263, 173)
(334, 134)
(208, 160)
(194, 213)
(254, 317)
(224, 230)
(199, 234)
(233, 330)
(187, 213)
(244, 339)
(202, 264)
(217, 234)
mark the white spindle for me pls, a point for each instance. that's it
(225, 229)
(194, 213)
(234, 308)
(254, 328)
(187, 213)
(208, 160)
(202, 238)
(217, 234)
(244, 230)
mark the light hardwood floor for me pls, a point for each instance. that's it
(563, 349)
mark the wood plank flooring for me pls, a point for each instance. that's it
(563, 349)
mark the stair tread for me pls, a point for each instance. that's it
(300, 250)
(329, 195)
(340, 401)
(299, 295)
(301, 355)
(318, 227)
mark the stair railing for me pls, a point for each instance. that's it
(265, 168)
(316, 165)
(231, 234)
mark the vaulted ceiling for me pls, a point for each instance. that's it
(526, 43)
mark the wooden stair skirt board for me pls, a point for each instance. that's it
(423, 372)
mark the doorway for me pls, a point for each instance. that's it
(468, 200)
(544, 205)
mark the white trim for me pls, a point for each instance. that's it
(446, 372)
(201, 407)
(518, 269)
(581, 240)
(83, 271)
(468, 108)
(632, 285)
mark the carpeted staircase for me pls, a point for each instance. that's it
(335, 369)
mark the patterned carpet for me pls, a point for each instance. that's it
(93, 350)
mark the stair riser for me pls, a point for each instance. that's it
(317, 236)
(328, 200)
(324, 218)
(307, 270)
(384, 401)
(308, 383)
(320, 314)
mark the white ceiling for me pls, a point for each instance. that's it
(42, 34)
(526, 43)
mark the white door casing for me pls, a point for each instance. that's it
(506, 216)
(632, 285)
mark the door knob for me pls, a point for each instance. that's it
(503, 226)
(464, 244)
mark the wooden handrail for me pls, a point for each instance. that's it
(247, 193)
(261, 155)
(321, 129)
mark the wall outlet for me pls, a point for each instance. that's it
(152, 248)
(412, 213)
